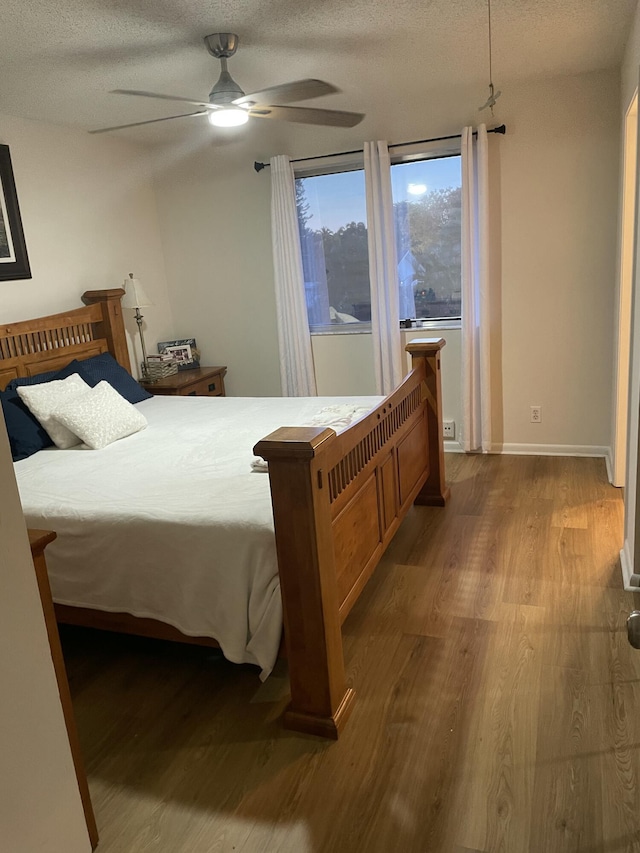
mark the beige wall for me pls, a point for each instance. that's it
(559, 172)
(89, 217)
(343, 364)
(556, 181)
(215, 224)
(40, 806)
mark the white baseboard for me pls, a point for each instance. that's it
(452, 446)
(630, 580)
(608, 461)
(552, 450)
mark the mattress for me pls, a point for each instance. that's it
(173, 523)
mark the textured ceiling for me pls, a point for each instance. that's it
(60, 58)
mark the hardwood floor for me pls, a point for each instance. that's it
(498, 700)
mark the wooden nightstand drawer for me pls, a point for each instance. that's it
(201, 382)
(213, 386)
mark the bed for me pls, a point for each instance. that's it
(333, 499)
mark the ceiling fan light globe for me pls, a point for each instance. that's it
(228, 117)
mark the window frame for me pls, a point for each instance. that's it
(354, 162)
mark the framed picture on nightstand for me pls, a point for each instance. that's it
(184, 352)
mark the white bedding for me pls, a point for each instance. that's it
(172, 523)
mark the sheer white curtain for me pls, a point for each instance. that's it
(476, 390)
(383, 268)
(297, 375)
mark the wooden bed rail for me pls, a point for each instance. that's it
(359, 485)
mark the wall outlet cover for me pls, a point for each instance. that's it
(449, 429)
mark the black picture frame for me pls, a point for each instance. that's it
(14, 261)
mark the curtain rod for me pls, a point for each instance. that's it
(500, 129)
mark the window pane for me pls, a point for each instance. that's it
(333, 239)
(428, 216)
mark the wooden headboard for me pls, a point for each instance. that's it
(49, 343)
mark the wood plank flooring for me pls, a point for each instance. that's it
(498, 700)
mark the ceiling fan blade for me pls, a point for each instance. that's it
(204, 104)
(151, 121)
(333, 118)
(298, 90)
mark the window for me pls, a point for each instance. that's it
(333, 239)
(428, 220)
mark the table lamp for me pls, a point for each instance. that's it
(135, 297)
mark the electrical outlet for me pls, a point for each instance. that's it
(449, 429)
(536, 414)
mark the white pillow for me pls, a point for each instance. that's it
(100, 416)
(42, 399)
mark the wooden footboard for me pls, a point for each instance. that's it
(337, 501)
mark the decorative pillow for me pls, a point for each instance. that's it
(26, 435)
(105, 367)
(41, 400)
(100, 416)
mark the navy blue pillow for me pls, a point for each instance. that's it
(92, 370)
(39, 378)
(26, 436)
(105, 367)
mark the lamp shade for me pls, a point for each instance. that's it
(134, 294)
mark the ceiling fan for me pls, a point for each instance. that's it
(228, 105)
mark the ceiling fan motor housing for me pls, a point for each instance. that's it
(222, 46)
(226, 89)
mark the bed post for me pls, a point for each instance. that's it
(320, 699)
(435, 491)
(112, 326)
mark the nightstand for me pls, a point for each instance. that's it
(200, 382)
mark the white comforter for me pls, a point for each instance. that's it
(172, 523)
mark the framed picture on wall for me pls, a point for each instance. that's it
(184, 352)
(14, 263)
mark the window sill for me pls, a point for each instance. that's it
(365, 328)
(343, 329)
(435, 325)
